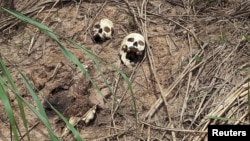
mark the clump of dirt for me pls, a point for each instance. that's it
(196, 57)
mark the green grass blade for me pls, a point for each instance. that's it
(70, 56)
(46, 30)
(5, 99)
(93, 57)
(26, 19)
(247, 38)
(221, 118)
(53, 36)
(125, 78)
(73, 59)
(40, 116)
(20, 104)
(41, 112)
(71, 127)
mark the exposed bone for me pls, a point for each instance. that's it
(132, 49)
(103, 30)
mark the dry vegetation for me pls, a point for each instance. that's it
(195, 71)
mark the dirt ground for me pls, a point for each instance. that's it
(196, 57)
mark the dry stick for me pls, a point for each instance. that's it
(29, 2)
(176, 3)
(44, 47)
(172, 45)
(152, 64)
(37, 8)
(112, 124)
(58, 66)
(242, 117)
(110, 136)
(135, 19)
(121, 129)
(130, 78)
(172, 129)
(149, 131)
(200, 110)
(137, 23)
(90, 25)
(30, 130)
(232, 112)
(191, 32)
(202, 106)
(114, 98)
(36, 35)
(191, 66)
(219, 111)
(77, 9)
(151, 21)
(197, 76)
(7, 26)
(107, 138)
(188, 85)
(116, 85)
(163, 135)
(133, 12)
(124, 126)
(119, 102)
(145, 36)
(159, 101)
(184, 106)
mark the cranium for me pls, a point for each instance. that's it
(132, 49)
(103, 30)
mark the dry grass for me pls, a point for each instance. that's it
(211, 83)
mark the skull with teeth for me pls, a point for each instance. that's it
(103, 30)
(132, 49)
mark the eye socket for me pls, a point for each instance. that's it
(106, 29)
(141, 43)
(97, 26)
(100, 30)
(130, 39)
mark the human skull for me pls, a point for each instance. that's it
(103, 30)
(132, 49)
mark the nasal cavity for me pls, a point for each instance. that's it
(100, 31)
(135, 44)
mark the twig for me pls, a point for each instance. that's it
(30, 129)
(191, 32)
(191, 66)
(93, 20)
(188, 85)
(111, 136)
(172, 129)
(36, 32)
